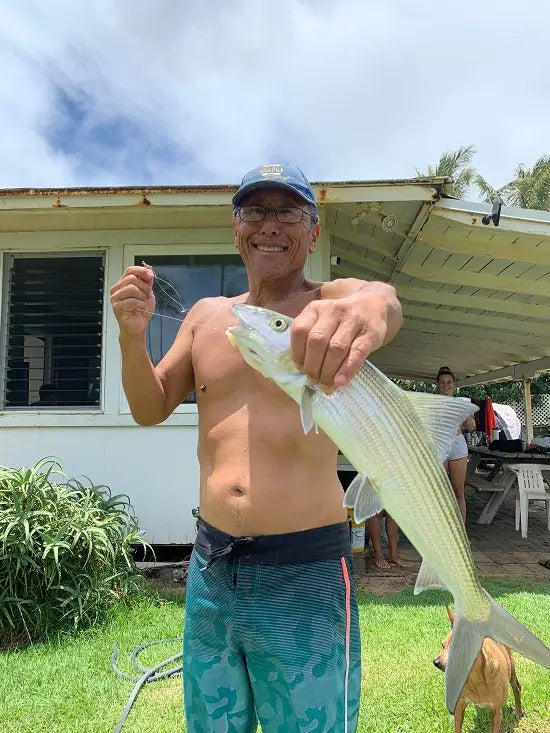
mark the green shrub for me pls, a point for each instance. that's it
(65, 552)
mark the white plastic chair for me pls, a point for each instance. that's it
(531, 487)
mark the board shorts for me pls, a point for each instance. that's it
(458, 448)
(271, 633)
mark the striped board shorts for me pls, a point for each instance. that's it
(271, 633)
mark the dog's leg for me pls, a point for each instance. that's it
(459, 715)
(516, 689)
(497, 721)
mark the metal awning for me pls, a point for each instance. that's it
(475, 297)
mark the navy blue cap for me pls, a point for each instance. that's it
(275, 175)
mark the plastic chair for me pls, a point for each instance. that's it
(531, 487)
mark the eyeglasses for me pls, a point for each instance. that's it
(284, 215)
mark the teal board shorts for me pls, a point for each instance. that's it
(271, 633)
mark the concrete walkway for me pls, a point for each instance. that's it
(499, 551)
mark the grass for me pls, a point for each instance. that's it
(69, 687)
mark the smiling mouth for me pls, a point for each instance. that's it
(269, 248)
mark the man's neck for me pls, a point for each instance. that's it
(266, 293)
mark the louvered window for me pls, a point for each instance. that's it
(52, 331)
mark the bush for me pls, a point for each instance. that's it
(65, 552)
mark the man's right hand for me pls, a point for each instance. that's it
(133, 301)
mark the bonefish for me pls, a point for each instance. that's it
(397, 441)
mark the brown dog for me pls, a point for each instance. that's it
(487, 683)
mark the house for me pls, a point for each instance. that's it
(475, 296)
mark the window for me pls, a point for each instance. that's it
(52, 331)
(191, 278)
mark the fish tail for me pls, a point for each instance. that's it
(468, 637)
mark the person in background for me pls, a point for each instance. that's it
(374, 525)
(456, 461)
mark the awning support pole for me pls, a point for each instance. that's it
(528, 409)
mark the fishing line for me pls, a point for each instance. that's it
(181, 307)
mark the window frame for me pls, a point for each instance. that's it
(9, 255)
(165, 250)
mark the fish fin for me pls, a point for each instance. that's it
(441, 416)
(306, 409)
(427, 579)
(362, 497)
(467, 640)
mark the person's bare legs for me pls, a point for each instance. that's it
(375, 531)
(457, 474)
(392, 530)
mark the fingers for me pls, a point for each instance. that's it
(360, 349)
(299, 333)
(133, 294)
(140, 277)
(330, 342)
(340, 343)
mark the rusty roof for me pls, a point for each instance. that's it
(204, 188)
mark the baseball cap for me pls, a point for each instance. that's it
(275, 175)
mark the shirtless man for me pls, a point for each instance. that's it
(271, 624)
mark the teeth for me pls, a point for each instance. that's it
(264, 248)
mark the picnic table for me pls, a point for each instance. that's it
(497, 481)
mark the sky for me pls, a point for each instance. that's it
(120, 93)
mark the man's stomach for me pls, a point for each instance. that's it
(273, 496)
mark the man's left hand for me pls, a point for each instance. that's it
(330, 339)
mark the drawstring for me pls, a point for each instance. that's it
(221, 551)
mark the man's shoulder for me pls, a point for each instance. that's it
(216, 302)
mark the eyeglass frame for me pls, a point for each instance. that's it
(237, 212)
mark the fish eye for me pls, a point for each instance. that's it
(279, 324)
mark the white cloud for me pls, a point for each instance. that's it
(202, 91)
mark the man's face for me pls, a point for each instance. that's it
(270, 248)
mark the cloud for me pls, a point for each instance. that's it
(198, 92)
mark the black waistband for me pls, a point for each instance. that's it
(322, 543)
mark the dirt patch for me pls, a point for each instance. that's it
(370, 579)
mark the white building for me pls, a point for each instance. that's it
(475, 296)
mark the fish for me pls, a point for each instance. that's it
(397, 441)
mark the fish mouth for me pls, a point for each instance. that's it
(241, 336)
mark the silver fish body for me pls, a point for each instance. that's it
(397, 441)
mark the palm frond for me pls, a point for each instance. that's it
(486, 192)
(454, 164)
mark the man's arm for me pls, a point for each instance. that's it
(333, 336)
(366, 294)
(152, 393)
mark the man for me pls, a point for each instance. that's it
(271, 627)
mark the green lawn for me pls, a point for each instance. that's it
(69, 687)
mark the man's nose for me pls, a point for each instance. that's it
(270, 225)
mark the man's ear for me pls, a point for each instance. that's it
(314, 237)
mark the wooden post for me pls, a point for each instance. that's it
(528, 409)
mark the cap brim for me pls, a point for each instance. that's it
(238, 196)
